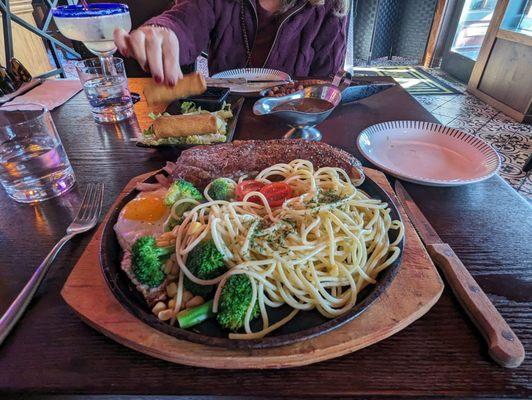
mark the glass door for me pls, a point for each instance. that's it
(501, 76)
(518, 17)
(469, 24)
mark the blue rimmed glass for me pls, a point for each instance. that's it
(94, 27)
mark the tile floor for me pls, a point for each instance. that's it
(512, 140)
(385, 62)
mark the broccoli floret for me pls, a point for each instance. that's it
(148, 261)
(234, 302)
(181, 189)
(205, 262)
(222, 189)
(172, 223)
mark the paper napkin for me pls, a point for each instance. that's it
(51, 93)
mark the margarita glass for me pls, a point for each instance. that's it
(94, 27)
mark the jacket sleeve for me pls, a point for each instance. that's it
(329, 46)
(192, 22)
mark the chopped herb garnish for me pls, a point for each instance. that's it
(330, 196)
(274, 235)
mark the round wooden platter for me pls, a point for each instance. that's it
(414, 291)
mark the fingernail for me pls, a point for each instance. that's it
(171, 83)
(157, 79)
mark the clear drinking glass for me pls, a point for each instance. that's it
(108, 96)
(33, 163)
(93, 24)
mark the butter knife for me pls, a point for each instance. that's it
(504, 346)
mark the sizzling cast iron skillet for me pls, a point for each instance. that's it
(305, 325)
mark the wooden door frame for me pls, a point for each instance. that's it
(493, 33)
(430, 58)
(487, 44)
(437, 39)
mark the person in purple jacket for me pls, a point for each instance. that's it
(300, 37)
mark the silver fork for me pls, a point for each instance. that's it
(86, 219)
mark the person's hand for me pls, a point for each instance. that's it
(155, 48)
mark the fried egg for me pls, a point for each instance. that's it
(143, 216)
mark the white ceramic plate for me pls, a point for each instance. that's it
(261, 74)
(428, 154)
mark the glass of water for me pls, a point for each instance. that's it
(33, 163)
(108, 95)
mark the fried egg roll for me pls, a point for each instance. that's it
(185, 125)
(190, 85)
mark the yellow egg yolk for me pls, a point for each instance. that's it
(145, 208)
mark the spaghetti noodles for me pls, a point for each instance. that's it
(317, 251)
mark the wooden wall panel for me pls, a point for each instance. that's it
(507, 76)
(27, 47)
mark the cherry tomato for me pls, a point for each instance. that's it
(276, 193)
(245, 187)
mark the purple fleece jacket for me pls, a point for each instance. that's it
(311, 40)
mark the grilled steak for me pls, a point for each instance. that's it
(202, 164)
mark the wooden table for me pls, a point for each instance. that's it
(488, 224)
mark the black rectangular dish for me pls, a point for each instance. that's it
(211, 100)
(174, 108)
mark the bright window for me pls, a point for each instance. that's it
(472, 27)
(518, 17)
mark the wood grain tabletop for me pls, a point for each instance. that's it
(488, 225)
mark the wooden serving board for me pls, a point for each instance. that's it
(414, 291)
